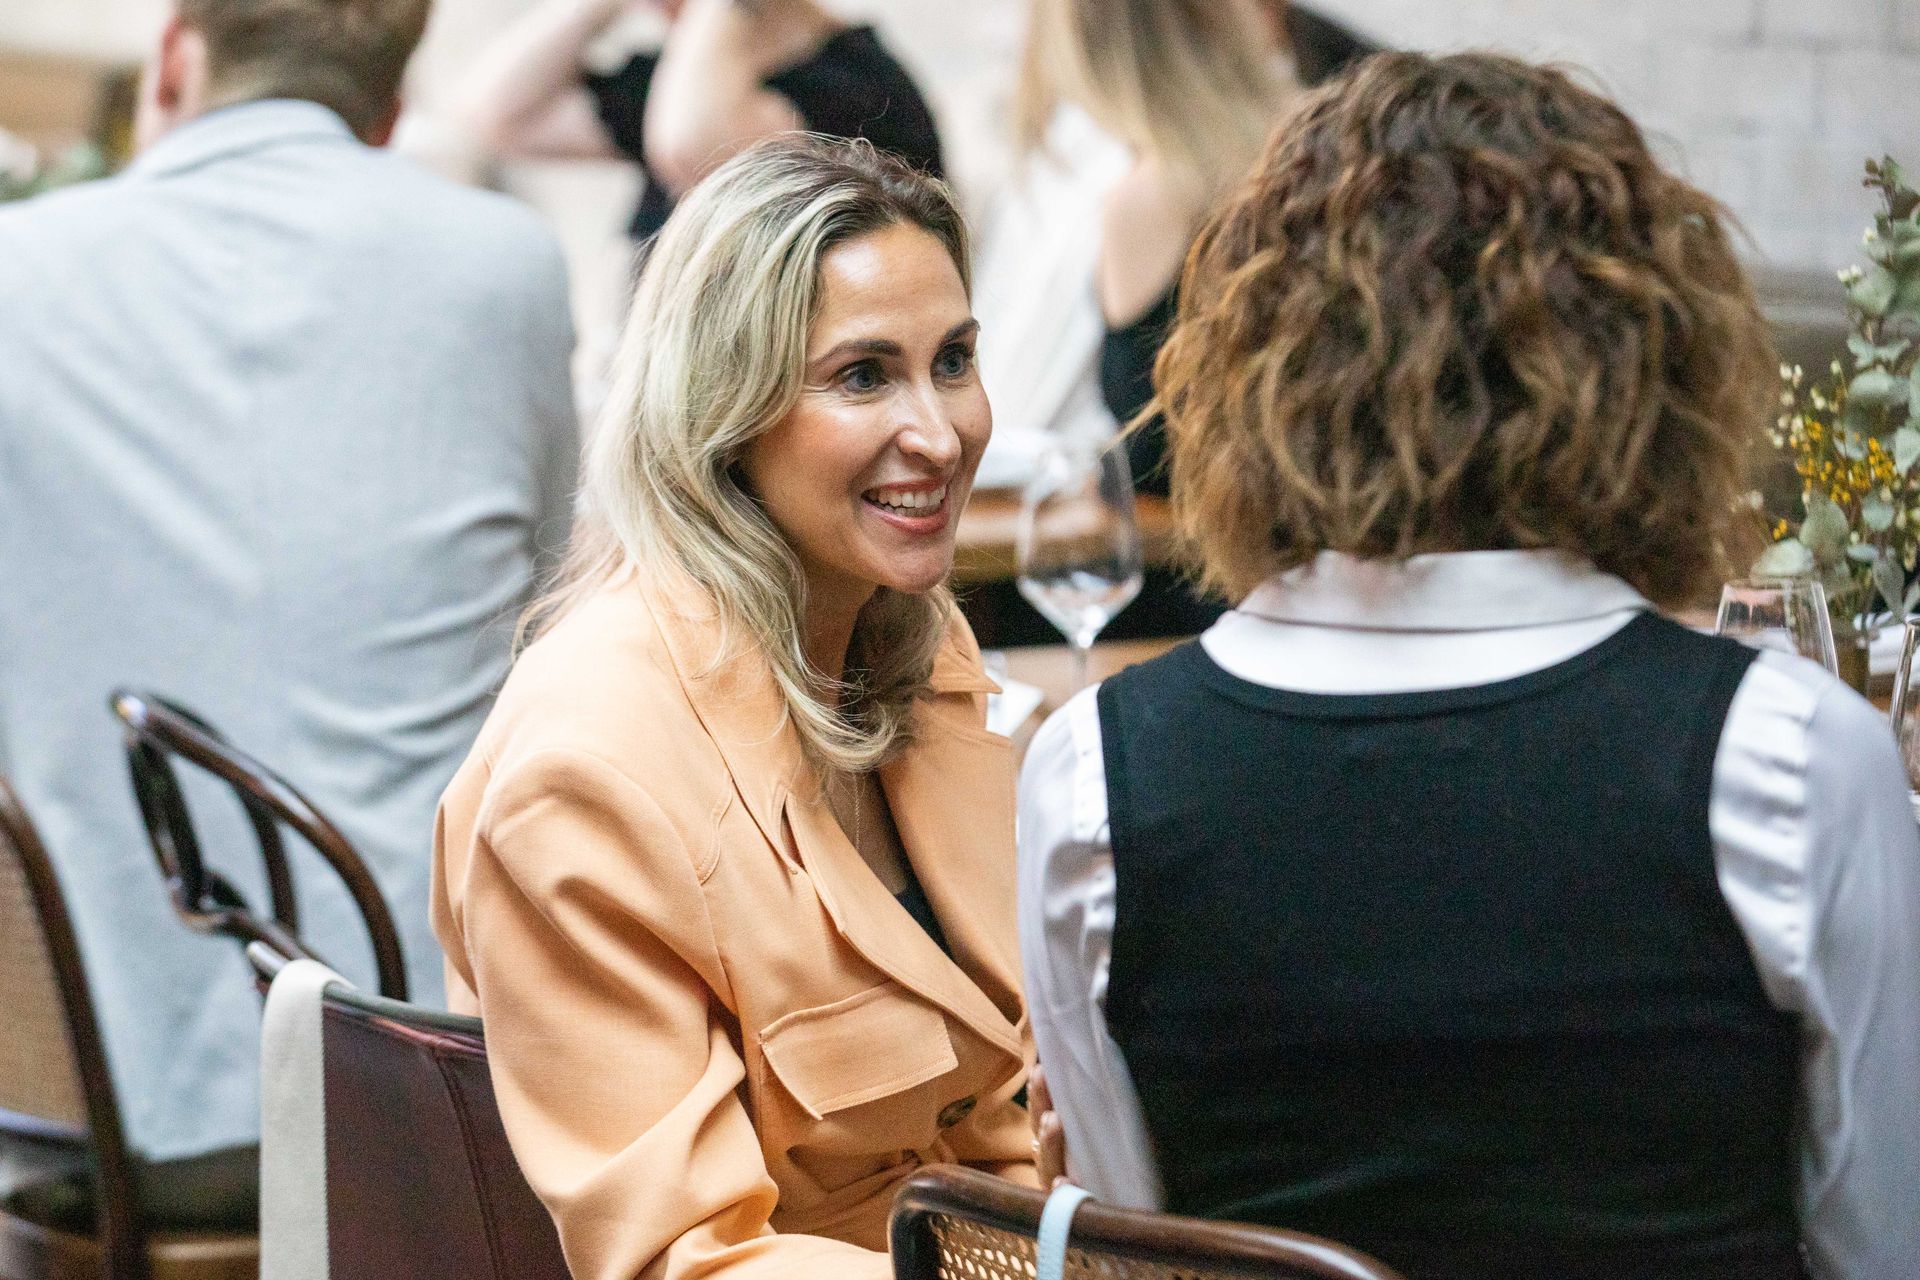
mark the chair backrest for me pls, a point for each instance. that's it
(158, 732)
(420, 1181)
(54, 1082)
(950, 1221)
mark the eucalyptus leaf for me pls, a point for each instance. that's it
(1906, 446)
(1862, 417)
(1863, 553)
(1877, 514)
(1873, 292)
(1866, 353)
(1912, 597)
(1906, 294)
(1874, 388)
(1913, 394)
(1907, 254)
(1902, 231)
(1889, 581)
(1787, 558)
(1896, 177)
(1824, 532)
(1853, 447)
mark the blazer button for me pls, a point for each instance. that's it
(954, 1112)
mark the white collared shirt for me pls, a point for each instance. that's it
(1815, 845)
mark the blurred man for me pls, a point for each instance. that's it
(285, 431)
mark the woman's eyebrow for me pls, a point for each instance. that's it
(858, 346)
(888, 347)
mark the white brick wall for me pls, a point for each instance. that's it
(1770, 104)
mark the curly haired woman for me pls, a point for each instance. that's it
(1444, 897)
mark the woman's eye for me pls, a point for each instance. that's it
(953, 362)
(864, 376)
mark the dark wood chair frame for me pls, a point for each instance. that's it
(1153, 1238)
(122, 1235)
(158, 732)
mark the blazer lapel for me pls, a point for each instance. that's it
(951, 794)
(952, 797)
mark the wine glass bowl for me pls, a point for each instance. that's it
(1788, 614)
(1078, 544)
(1905, 709)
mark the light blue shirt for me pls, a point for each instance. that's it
(285, 427)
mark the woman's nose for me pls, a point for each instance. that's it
(927, 431)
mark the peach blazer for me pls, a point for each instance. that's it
(718, 1042)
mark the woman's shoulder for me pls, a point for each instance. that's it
(601, 683)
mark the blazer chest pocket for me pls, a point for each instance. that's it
(879, 1042)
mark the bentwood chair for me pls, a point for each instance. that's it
(89, 1208)
(949, 1222)
(418, 1179)
(159, 732)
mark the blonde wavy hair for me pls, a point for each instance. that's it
(713, 356)
(1458, 305)
(1193, 83)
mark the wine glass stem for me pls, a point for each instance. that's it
(1082, 654)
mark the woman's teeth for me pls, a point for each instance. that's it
(910, 504)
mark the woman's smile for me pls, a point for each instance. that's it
(866, 475)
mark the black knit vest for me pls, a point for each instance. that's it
(1448, 976)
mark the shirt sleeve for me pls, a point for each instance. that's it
(1818, 855)
(1066, 914)
(605, 1001)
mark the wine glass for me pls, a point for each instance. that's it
(1906, 710)
(1788, 614)
(1078, 544)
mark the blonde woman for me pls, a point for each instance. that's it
(1192, 88)
(729, 873)
(1188, 90)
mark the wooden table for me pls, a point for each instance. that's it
(1050, 666)
(984, 543)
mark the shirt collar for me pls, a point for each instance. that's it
(1452, 591)
(244, 126)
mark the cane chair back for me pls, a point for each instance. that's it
(40, 1075)
(158, 733)
(56, 1095)
(951, 1223)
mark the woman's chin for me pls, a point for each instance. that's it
(918, 580)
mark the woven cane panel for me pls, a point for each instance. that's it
(970, 1251)
(38, 1074)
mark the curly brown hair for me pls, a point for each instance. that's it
(1457, 305)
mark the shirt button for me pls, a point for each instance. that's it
(954, 1112)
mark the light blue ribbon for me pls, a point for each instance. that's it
(1056, 1223)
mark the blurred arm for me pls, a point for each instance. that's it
(708, 100)
(523, 96)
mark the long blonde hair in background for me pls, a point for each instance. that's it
(1193, 83)
(713, 355)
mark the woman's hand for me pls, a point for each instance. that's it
(1049, 1135)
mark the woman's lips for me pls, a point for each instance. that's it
(920, 509)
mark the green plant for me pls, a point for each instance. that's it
(80, 163)
(1855, 436)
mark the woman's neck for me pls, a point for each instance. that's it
(827, 629)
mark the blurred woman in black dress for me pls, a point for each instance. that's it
(729, 73)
